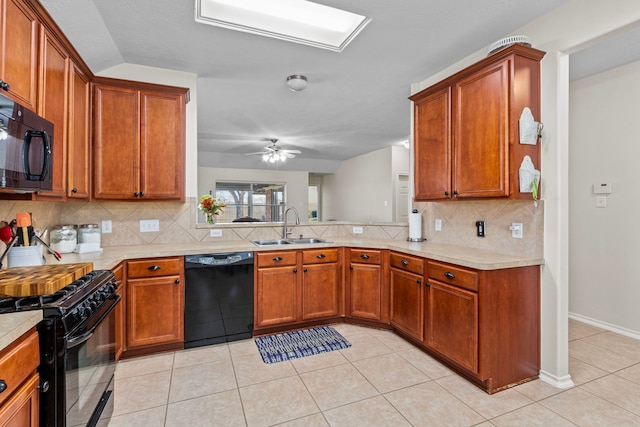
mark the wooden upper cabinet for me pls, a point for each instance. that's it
(466, 135)
(432, 117)
(19, 51)
(481, 133)
(139, 141)
(78, 165)
(53, 106)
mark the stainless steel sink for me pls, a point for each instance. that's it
(271, 242)
(300, 241)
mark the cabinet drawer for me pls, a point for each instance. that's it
(453, 275)
(18, 362)
(406, 262)
(364, 256)
(154, 267)
(319, 256)
(275, 259)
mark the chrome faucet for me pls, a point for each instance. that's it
(285, 230)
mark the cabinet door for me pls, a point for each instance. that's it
(116, 143)
(276, 296)
(78, 143)
(52, 105)
(155, 311)
(162, 145)
(19, 51)
(432, 160)
(451, 323)
(364, 288)
(406, 302)
(481, 133)
(23, 408)
(320, 291)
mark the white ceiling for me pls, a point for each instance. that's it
(356, 101)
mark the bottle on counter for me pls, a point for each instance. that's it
(64, 238)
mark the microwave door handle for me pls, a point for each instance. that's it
(46, 151)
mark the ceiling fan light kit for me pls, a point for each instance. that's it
(274, 154)
(297, 82)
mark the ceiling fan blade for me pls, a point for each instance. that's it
(257, 152)
(288, 155)
(291, 151)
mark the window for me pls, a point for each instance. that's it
(251, 201)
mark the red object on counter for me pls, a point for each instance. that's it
(6, 233)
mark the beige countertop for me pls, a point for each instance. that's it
(109, 257)
(13, 325)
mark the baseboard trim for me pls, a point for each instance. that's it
(604, 325)
(564, 381)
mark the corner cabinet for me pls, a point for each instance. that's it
(406, 283)
(154, 305)
(466, 135)
(367, 284)
(139, 141)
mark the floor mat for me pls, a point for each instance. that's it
(296, 344)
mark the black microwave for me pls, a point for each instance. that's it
(26, 146)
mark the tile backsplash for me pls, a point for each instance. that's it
(178, 223)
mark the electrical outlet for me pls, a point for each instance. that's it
(215, 233)
(601, 201)
(107, 226)
(357, 230)
(517, 230)
(438, 224)
(149, 225)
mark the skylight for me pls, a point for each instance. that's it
(297, 21)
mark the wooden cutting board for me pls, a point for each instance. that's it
(41, 280)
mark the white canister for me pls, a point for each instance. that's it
(89, 233)
(25, 256)
(64, 238)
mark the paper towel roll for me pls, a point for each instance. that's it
(415, 226)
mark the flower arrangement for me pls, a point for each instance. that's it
(211, 206)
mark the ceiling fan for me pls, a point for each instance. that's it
(274, 154)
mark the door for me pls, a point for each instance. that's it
(401, 213)
(78, 143)
(320, 291)
(406, 302)
(364, 285)
(276, 299)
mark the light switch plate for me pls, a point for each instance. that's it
(215, 233)
(601, 201)
(516, 230)
(357, 230)
(438, 224)
(107, 226)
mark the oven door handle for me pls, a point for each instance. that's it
(75, 340)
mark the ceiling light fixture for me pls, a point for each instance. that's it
(274, 157)
(297, 82)
(298, 21)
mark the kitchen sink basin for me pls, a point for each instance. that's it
(271, 242)
(300, 241)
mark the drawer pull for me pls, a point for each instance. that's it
(405, 262)
(450, 275)
(320, 256)
(364, 256)
(276, 259)
(3, 386)
(154, 268)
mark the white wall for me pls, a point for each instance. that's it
(171, 78)
(360, 188)
(559, 33)
(605, 242)
(297, 183)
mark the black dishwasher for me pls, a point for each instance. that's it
(218, 298)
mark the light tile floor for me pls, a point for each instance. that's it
(380, 381)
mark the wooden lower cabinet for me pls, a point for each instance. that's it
(20, 398)
(485, 323)
(154, 304)
(406, 283)
(293, 287)
(367, 284)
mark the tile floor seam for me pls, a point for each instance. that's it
(607, 400)
(536, 402)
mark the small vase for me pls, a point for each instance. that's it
(211, 218)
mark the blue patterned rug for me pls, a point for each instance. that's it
(296, 344)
